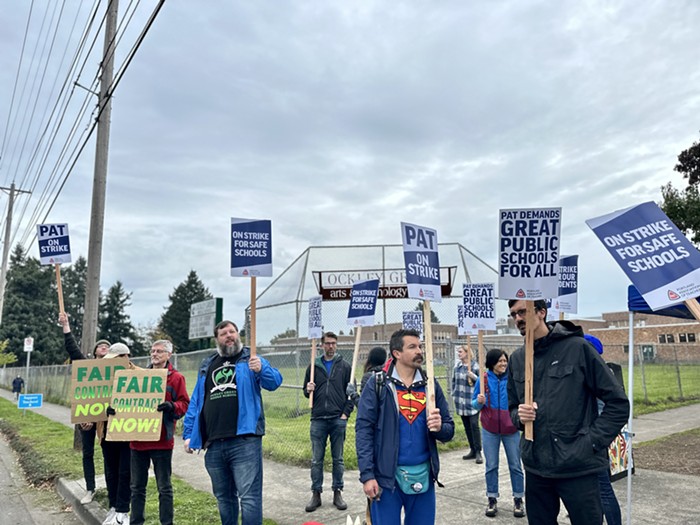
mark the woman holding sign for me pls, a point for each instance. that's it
(497, 428)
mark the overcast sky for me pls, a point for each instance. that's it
(339, 120)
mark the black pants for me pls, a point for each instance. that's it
(581, 496)
(117, 455)
(471, 427)
(88, 440)
(162, 467)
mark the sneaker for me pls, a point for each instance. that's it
(89, 496)
(492, 509)
(122, 518)
(518, 508)
(109, 520)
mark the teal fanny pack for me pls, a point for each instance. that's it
(413, 479)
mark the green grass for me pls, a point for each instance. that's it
(46, 453)
(662, 388)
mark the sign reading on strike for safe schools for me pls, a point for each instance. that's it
(315, 317)
(363, 301)
(251, 248)
(479, 306)
(528, 262)
(91, 389)
(413, 321)
(54, 243)
(461, 325)
(661, 263)
(420, 253)
(135, 398)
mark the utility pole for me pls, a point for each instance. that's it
(99, 185)
(6, 245)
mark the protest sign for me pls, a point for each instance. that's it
(54, 243)
(363, 302)
(529, 253)
(91, 389)
(413, 321)
(568, 284)
(251, 248)
(479, 302)
(135, 398)
(315, 317)
(420, 253)
(661, 263)
(462, 328)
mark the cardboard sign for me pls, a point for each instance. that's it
(54, 243)
(479, 302)
(420, 253)
(315, 317)
(661, 263)
(528, 263)
(91, 388)
(135, 398)
(251, 248)
(363, 302)
(462, 328)
(413, 321)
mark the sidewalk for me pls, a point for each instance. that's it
(656, 496)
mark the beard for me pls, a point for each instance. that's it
(229, 350)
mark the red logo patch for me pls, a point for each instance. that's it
(520, 294)
(673, 295)
(411, 404)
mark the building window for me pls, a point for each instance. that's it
(669, 338)
(648, 353)
(691, 338)
(682, 338)
(662, 338)
(626, 349)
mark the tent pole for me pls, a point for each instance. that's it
(630, 389)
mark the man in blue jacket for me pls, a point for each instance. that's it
(226, 418)
(396, 437)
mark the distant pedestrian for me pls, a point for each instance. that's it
(464, 375)
(17, 386)
(375, 361)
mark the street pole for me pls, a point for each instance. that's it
(99, 185)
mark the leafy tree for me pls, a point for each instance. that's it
(175, 321)
(6, 358)
(433, 317)
(114, 323)
(689, 164)
(73, 280)
(31, 309)
(682, 206)
(288, 333)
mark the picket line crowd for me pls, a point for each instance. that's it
(396, 429)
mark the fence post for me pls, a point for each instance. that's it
(678, 372)
(298, 380)
(644, 381)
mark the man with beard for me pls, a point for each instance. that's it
(571, 440)
(396, 437)
(226, 418)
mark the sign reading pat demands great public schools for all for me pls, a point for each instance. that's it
(135, 398)
(91, 389)
(420, 253)
(659, 260)
(54, 243)
(528, 262)
(479, 302)
(251, 248)
(413, 320)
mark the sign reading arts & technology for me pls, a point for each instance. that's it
(420, 253)
(363, 301)
(251, 248)
(528, 262)
(479, 301)
(135, 398)
(661, 263)
(54, 243)
(91, 389)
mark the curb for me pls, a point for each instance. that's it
(72, 492)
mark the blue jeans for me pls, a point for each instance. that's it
(162, 468)
(321, 430)
(611, 508)
(492, 444)
(236, 471)
(419, 509)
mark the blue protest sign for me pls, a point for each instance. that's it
(461, 326)
(568, 285)
(528, 262)
(54, 243)
(315, 317)
(363, 302)
(251, 248)
(413, 321)
(30, 401)
(420, 253)
(661, 263)
(479, 302)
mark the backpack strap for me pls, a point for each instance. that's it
(379, 382)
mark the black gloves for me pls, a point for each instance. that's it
(166, 406)
(110, 411)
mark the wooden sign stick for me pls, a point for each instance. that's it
(312, 370)
(561, 316)
(428, 331)
(482, 362)
(530, 321)
(251, 337)
(694, 307)
(355, 353)
(60, 288)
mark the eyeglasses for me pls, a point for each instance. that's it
(517, 313)
(158, 351)
(330, 343)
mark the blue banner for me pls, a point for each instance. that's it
(251, 248)
(363, 302)
(30, 401)
(420, 252)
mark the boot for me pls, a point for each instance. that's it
(492, 509)
(471, 455)
(518, 508)
(338, 500)
(314, 502)
(479, 459)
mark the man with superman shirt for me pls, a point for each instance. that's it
(396, 437)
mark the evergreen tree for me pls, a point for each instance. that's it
(433, 316)
(31, 309)
(115, 323)
(175, 321)
(73, 280)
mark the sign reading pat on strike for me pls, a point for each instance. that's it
(661, 263)
(54, 243)
(479, 306)
(315, 317)
(251, 248)
(420, 253)
(363, 301)
(528, 262)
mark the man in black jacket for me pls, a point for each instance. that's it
(570, 438)
(329, 418)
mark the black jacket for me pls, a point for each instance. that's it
(330, 399)
(72, 347)
(570, 438)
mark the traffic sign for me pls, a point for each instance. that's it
(28, 344)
